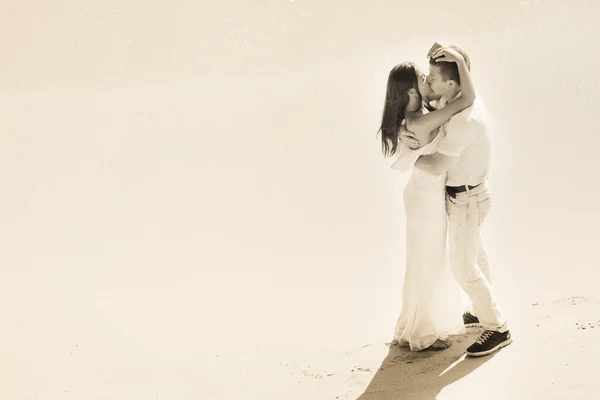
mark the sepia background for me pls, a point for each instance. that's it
(195, 205)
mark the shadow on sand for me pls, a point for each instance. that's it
(422, 375)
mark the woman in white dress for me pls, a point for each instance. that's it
(431, 298)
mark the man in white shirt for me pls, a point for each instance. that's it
(464, 154)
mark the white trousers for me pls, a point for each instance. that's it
(468, 257)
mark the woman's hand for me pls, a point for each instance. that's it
(434, 48)
(447, 54)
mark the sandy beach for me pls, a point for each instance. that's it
(195, 204)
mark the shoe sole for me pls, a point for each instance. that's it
(488, 352)
(473, 327)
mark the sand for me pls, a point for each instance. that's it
(195, 205)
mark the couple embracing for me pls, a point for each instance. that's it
(436, 127)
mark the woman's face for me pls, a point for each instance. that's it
(420, 93)
(424, 87)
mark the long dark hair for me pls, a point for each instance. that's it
(402, 78)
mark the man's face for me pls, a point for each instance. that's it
(436, 81)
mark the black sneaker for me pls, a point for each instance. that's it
(471, 321)
(488, 342)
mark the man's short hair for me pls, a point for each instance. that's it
(449, 70)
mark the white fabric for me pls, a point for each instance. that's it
(468, 135)
(431, 297)
(406, 157)
(470, 265)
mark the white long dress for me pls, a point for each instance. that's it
(432, 303)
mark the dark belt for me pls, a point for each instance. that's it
(454, 190)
